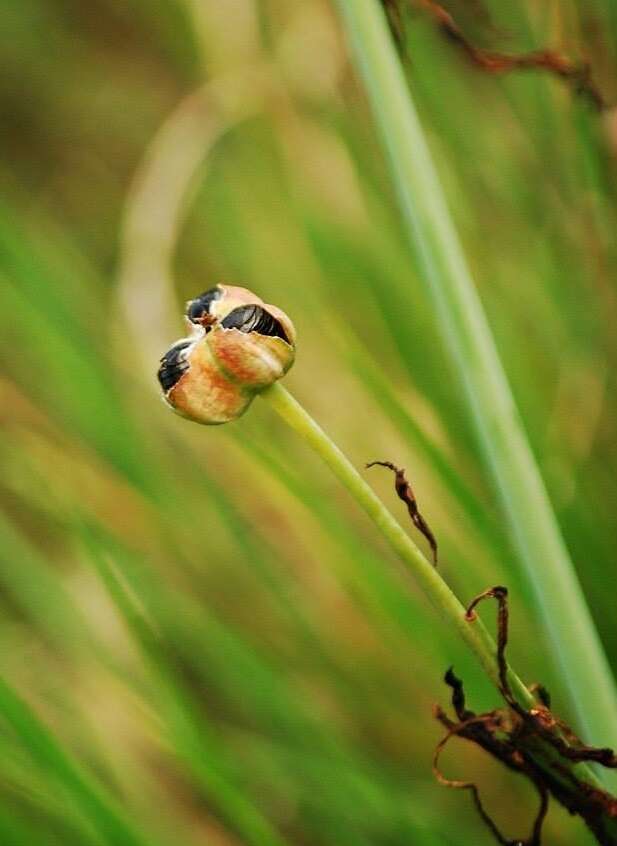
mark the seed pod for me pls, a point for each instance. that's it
(239, 346)
(253, 346)
(198, 388)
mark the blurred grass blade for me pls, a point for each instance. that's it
(192, 735)
(565, 616)
(48, 754)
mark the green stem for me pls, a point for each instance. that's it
(560, 602)
(425, 573)
(451, 609)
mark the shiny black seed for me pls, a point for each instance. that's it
(254, 318)
(200, 306)
(173, 365)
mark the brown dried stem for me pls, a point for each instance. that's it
(531, 742)
(406, 494)
(575, 74)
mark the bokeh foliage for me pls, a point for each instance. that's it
(203, 640)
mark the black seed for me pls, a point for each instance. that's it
(173, 365)
(200, 306)
(254, 318)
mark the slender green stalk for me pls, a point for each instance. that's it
(560, 602)
(425, 573)
(474, 634)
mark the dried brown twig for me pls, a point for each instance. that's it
(406, 494)
(483, 730)
(576, 74)
(532, 742)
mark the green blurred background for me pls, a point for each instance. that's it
(203, 639)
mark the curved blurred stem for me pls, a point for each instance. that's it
(155, 210)
(589, 683)
(159, 201)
